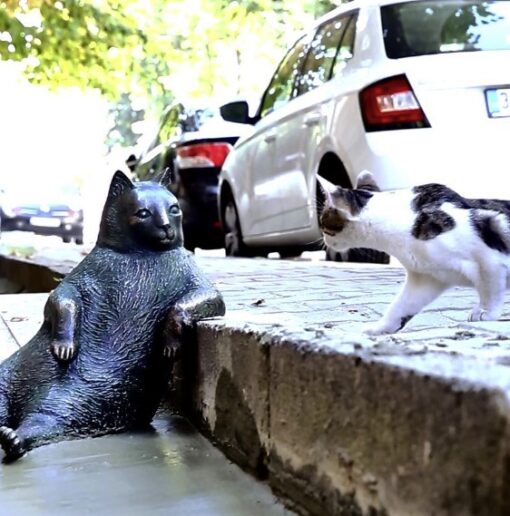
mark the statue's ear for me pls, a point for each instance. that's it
(120, 183)
(166, 178)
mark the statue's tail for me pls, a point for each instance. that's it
(11, 444)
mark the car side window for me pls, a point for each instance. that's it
(321, 56)
(346, 48)
(281, 86)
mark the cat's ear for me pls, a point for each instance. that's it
(327, 187)
(119, 184)
(166, 178)
(366, 181)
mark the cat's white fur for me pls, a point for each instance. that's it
(456, 257)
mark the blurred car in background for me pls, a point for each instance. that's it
(414, 91)
(59, 214)
(193, 143)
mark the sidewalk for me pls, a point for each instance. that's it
(339, 423)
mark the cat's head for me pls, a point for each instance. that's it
(342, 209)
(140, 216)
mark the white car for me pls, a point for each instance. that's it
(413, 91)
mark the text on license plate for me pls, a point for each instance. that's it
(46, 222)
(498, 102)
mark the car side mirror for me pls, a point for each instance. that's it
(237, 112)
(131, 162)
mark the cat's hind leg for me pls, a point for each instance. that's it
(491, 287)
(418, 291)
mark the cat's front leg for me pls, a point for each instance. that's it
(418, 291)
(198, 304)
(62, 313)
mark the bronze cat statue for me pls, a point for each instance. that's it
(96, 365)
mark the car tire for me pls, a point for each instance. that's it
(66, 239)
(358, 255)
(289, 252)
(79, 240)
(234, 243)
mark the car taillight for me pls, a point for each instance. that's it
(202, 155)
(391, 104)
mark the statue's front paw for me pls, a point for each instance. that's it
(63, 350)
(172, 348)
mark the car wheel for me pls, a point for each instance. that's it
(234, 244)
(66, 239)
(358, 255)
(79, 240)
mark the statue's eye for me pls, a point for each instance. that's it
(143, 214)
(174, 210)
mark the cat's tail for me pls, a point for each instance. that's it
(493, 228)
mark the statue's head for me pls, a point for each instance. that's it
(140, 216)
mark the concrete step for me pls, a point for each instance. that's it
(411, 424)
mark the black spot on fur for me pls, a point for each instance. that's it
(356, 199)
(332, 221)
(404, 321)
(429, 225)
(488, 233)
(433, 195)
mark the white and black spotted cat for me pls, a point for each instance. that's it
(440, 237)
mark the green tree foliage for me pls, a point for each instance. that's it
(72, 42)
(156, 49)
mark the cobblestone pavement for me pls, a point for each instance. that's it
(329, 304)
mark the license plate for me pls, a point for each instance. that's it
(498, 102)
(45, 222)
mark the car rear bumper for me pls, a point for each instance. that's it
(197, 192)
(72, 229)
(475, 163)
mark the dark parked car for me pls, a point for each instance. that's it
(193, 143)
(61, 215)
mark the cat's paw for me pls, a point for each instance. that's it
(373, 330)
(478, 314)
(63, 350)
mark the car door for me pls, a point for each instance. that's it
(264, 214)
(300, 134)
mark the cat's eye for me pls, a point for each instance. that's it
(143, 213)
(174, 210)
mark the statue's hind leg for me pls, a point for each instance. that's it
(4, 410)
(34, 431)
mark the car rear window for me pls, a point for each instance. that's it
(444, 26)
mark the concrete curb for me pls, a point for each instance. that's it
(340, 433)
(32, 276)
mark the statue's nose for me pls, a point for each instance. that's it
(164, 221)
